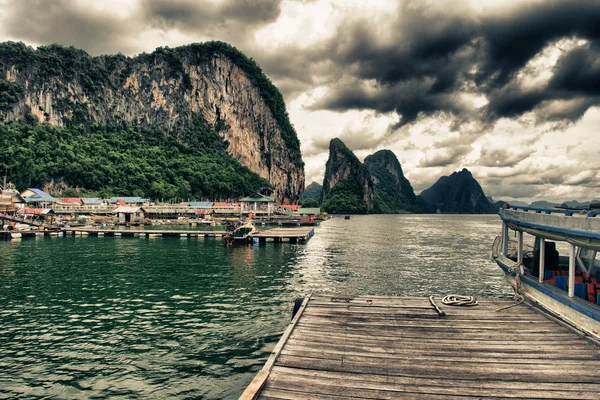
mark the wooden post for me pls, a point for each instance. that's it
(504, 239)
(572, 271)
(542, 258)
(520, 248)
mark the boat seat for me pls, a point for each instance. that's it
(581, 291)
(561, 282)
(592, 291)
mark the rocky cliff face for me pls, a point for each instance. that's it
(393, 192)
(458, 193)
(347, 186)
(162, 90)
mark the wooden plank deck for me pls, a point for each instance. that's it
(143, 232)
(401, 348)
(301, 234)
(293, 235)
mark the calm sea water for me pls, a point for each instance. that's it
(85, 317)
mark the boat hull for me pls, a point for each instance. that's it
(579, 313)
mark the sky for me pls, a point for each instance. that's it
(507, 89)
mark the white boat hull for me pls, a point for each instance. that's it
(575, 311)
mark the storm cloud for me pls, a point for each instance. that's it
(205, 16)
(435, 55)
(68, 22)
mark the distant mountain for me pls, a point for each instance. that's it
(458, 193)
(575, 203)
(347, 186)
(543, 204)
(311, 197)
(498, 204)
(517, 203)
(393, 192)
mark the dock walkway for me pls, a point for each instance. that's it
(402, 348)
(292, 235)
(142, 232)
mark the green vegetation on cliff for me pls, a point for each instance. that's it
(393, 192)
(125, 161)
(347, 186)
(347, 197)
(311, 196)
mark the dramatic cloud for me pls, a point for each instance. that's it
(422, 71)
(227, 19)
(444, 157)
(502, 157)
(68, 22)
(355, 140)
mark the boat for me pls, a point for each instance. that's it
(552, 261)
(241, 234)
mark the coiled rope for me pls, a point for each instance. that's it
(457, 300)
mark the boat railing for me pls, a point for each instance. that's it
(565, 212)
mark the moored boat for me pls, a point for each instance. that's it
(241, 234)
(554, 261)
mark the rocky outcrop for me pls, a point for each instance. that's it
(162, 90)
(347, 186)
(393, 192)
(458, 193)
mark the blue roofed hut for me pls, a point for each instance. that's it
(37, 198)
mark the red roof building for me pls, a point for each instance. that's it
(70, 200)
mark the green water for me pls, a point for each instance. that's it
(106, 317)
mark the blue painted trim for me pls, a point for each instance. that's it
(584, 307)
(568, 213)
(548, 228)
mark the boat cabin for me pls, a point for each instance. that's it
(552, 257)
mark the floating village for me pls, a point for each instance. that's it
(34, 212)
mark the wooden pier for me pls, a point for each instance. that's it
(143, 232)
(340, 347)
(292, 235)
(278, 235)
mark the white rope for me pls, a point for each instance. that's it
(457, 300)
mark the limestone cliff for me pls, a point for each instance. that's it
(347, 186)
(393, 192)
(162, 90)
(458, 193)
